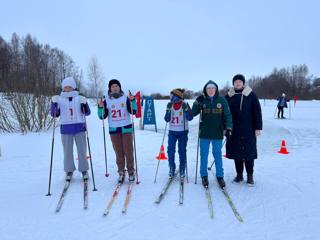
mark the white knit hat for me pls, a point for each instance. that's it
(70, 82)
(211, 85)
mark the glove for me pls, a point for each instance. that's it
(131, 97)
(55, 104)
(199, 101)
(185, 107)
(228, 134)
(257, 132)
(169, 106)
(83, 108)
(83, 100)
(55, 110)
(101, 104)
(55, 99)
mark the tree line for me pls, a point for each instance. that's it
(27, 66)
(31, 72)
(294, 81)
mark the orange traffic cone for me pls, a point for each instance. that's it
(283, 149)
(162, 155)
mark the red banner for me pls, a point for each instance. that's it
(138, 99)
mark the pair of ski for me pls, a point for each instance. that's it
(207, 194)
(114, 196)
(166, 187)
(64, 192)
(227, 197)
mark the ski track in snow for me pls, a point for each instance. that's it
(284, 203)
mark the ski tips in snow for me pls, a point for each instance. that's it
(85, 194)
(230, 202)
(181, 191)
(165, 188)
(209, 200)
(115, 194)
(63, 194)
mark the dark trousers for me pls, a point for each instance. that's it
(280, 111)
(248, 163)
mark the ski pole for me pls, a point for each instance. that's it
(164, 135)
(185, 135)
(195, 181)
(52, 147)
(275, 112)
(134, 142)
(209, 168)
(104, 142)
(89, 149)
(289, 109)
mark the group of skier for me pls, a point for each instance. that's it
(237, 116)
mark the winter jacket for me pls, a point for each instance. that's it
(214, 113)
(246, 116)
(103, 113)
(73, 128)
(282, 102)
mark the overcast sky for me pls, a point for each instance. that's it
(157, 45)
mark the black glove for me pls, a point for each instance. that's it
(228, 134)
(56, 110)
(185, 107)
(83, 108)
(200, 101)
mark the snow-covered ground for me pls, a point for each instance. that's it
(284, 204)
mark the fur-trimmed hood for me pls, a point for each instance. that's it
(246, 91)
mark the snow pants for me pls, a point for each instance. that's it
(81, 143)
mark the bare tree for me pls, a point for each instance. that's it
(29, 73)
(96, 78)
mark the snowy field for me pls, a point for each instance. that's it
(284, 203)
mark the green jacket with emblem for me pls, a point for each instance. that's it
(215, 115)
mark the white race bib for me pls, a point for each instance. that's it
(177, 121)
(118, 113)
(70, 111)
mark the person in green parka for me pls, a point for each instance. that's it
(215, 122)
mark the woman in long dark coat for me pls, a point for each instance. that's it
(247, 124)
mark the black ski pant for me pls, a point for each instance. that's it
(280, 111)
(248, 164)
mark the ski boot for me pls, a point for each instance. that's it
(85, 176)
(171, 172)
(131, 177)
(121, 177)
(238, 178)
(182, 174)
(69, 176)
(221, 182)
(205, 181)
(250, 180)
